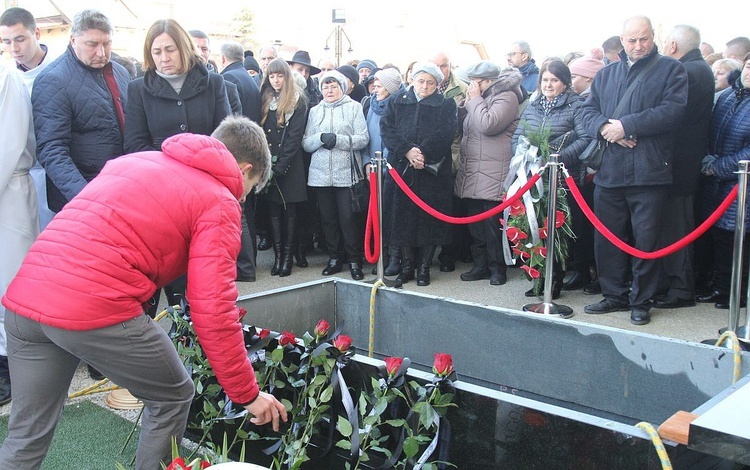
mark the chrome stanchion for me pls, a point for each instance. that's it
(739, 239)
(548, 307)
(376, 171)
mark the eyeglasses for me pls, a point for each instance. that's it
(511, 54)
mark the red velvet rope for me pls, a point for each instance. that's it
(372, 229)
(668, 250)
(461, 220)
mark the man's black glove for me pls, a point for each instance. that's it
(328, 139)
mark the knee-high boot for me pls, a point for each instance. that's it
(394, 261)
(287, 250)
(423, 267)
(276, 236)
(407, 265)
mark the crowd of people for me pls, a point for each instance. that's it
(673, 119)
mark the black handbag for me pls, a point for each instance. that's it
(434, 167)
(360, 188)
(593, 154)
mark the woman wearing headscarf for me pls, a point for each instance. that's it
(489, 116)
(417, 129)
(557, 110)
(336, 132)
(283, 117)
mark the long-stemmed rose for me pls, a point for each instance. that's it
(321, 329)
(443, 365)
(342, 343)
(287, 338)
(392, 364)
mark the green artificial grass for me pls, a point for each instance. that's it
(88, 437)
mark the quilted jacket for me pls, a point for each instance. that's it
(76, 128)
(729, 142)
(145, 220)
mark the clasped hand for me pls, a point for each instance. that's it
(415, 157)
(613, 132)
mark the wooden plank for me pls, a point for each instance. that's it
(677, 427)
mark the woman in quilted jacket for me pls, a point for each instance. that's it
(728, 143)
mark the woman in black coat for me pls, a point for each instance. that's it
(176, 94)
(418, 129)
(283, 117)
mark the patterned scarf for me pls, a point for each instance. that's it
(547, 105)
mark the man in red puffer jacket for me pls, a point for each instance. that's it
(146, 219)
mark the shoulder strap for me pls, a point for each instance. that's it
(631, 88)
(354, 163)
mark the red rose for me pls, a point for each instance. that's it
(287, 338)
(392, 364)
(540, 250)
(241, 312)
(514, 234)
(443, 365)
(533, 273)
(263, 333)
(321, 329)
(177, 464)
(517, 208)
(342, 343)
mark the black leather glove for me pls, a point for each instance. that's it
(328, 139)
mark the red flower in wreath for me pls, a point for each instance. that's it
(517, 208)
(543, 232)
(524, 255)
(533, 273)
(540, 250)
(559, 219)
(515, 235)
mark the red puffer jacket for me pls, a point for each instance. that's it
(145, 220)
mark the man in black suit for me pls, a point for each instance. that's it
(233, 71)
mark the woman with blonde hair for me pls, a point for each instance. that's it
(283, 118)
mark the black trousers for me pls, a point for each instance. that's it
(486, 233)
(583, 245)
(723, 248)
(341, 227)
(678, 220)
(633, 214)
(246, 257)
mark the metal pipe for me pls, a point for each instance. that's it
(739, 239)
(551, 210)
(376, 171)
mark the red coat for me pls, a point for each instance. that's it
(145, 220)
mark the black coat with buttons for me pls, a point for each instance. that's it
(285, 143)
(155, 111)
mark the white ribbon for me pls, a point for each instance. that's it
(431, 448)
(525, 162)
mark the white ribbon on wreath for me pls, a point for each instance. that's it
(524, 163)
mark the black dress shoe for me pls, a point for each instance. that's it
(724, 304)
(355, 269)
(713, 297)
(334, 266)
(447, 266)
(593, 289)
(639, 316)
(246, 278)
(606, 306)
(4, 390)
(673, 302)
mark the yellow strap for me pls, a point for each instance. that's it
(666, 464)
(371, 346)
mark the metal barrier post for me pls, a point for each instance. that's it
(548, 307)
(735, 286)
(376, 171)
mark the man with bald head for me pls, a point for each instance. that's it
(633, 181)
